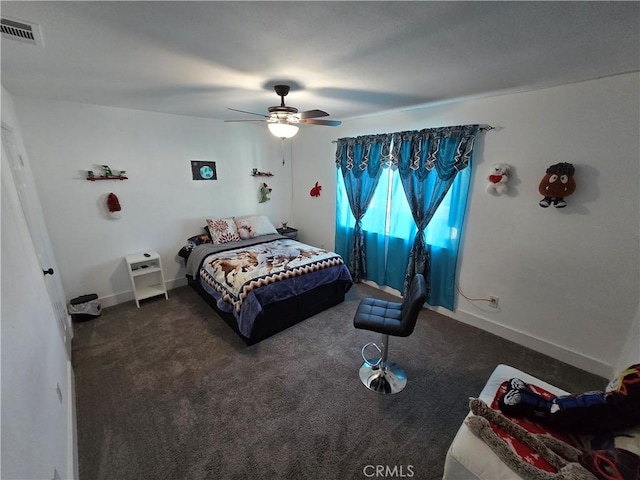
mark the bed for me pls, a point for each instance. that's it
(266, 283)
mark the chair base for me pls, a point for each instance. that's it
(388, 380)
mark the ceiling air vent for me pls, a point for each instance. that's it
(21, 31)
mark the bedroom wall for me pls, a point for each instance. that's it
(161, 204)
(567, 279)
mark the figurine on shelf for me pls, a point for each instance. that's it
(106, 174)
(256, 173)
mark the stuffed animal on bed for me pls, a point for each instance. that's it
(613, 410)
(557, 184)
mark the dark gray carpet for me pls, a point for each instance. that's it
(168, 391)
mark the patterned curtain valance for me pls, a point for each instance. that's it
(430, 149)
(424, 145)
(356, 152)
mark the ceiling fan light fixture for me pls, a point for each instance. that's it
(283, 120)
(282, 129)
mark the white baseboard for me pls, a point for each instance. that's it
(546, 347)
(118, 298)
(73, 470)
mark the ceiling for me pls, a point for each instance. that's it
(348, 58)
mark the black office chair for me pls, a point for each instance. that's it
(388, 318)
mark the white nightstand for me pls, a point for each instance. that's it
(147, 279)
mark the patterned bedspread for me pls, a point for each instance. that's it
(234, 274)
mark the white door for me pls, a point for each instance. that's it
(32, 209)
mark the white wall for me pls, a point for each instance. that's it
(38, 427)
(567, 279)
(161, 205)
(630, 353)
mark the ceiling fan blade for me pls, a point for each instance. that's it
(329, 123)
(312, 114)
(250, 113)
(226, 121)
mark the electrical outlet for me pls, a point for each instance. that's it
(493, 301)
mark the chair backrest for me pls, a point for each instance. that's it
(412, 304)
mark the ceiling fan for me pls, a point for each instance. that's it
(282, 119)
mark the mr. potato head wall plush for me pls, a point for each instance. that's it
(557, 184)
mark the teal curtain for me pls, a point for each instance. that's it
(402, 232)
(444, 252)
(374, 225)
(360, 161)
(404, 214)
(428, 162)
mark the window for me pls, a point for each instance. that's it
(389, 214)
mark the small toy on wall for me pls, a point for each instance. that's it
(106, 174)
(113, 204)
(315, 191)
(264, 192)
(498, 176)
(557, 184)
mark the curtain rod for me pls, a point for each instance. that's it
(484, 128)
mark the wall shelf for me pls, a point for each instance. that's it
(114, 177)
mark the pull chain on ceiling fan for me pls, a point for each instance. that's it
(282, 119)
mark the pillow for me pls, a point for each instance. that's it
(254, 226)
(222, 230)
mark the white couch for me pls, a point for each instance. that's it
(468, 456)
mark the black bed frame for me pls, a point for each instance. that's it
(281, 315)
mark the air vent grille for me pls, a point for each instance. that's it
(21, 31)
